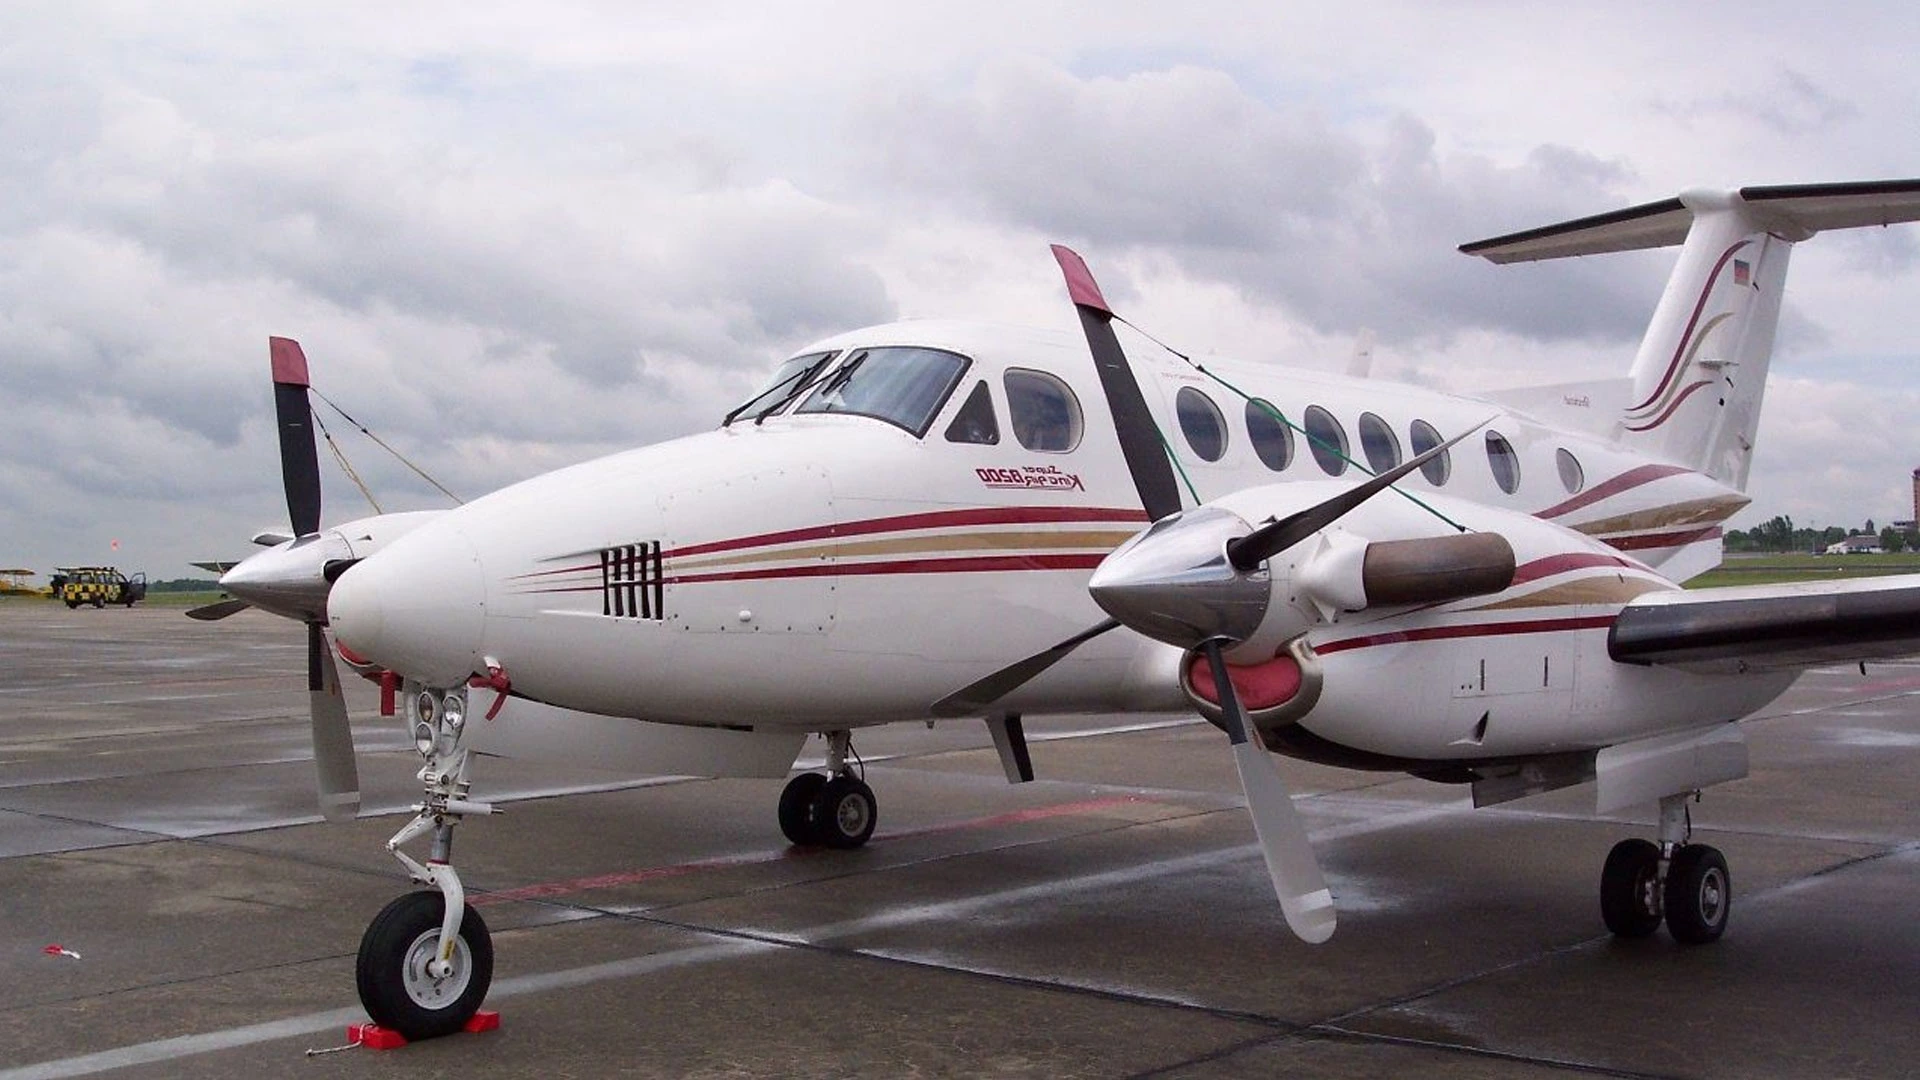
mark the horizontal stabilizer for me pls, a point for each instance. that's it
(1796, 211)
(1771, 627)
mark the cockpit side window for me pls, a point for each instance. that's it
(789, 379)
(1046, 415)
(902, 385)
(975, 423)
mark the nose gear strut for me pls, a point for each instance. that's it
(425, 962)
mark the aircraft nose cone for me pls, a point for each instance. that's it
(417, 608)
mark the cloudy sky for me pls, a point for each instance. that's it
(515, 236)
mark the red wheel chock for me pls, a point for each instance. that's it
(374, 1037)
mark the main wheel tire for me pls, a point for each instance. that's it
(796, 807)
(1699, 895)
(1630, 901)
(844, 813)
(391, 971)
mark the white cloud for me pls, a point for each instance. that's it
(511, 237)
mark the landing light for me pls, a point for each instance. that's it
(435, 717)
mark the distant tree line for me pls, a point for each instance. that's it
(184, 584)
(1780, 534)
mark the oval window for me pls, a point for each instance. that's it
(1327, 440)
(1378, 443)
(1505, 463)
(1272, 439)
(1046, 415)
(1201, 423)
(1571, 474)
(1425, 437)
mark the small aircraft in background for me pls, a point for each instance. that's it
(936, 520)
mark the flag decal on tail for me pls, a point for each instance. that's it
(1742, 273)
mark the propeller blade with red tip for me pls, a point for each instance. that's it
(299, 459)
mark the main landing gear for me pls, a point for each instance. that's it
(835, 809)
(1686, 884)
(426, 960)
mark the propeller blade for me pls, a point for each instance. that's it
(978, 695)
(1140, 439)
(333, 758)
(1263, 543)
(1295, 871)
(218, 610)
(299, 460)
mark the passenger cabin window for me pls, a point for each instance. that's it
(1201, 423)
(974, 423)
(1424, 437)
(1504, 462)
(789, 381)
(1572, 476)
(1046, 415)
(1378, 443)
(1272, 439)
(1327, 440)
(903, 385)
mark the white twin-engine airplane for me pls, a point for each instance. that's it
(928, 520)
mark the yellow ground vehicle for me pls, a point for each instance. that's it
(98, 585)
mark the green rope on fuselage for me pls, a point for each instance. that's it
(1177, 467)
(1308, 436)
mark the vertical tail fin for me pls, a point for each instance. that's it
(1701, 370)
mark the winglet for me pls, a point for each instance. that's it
(1080, 284)
(289, 363)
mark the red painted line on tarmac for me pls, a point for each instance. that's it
(548, 889)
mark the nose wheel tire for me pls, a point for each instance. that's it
(796, 807)
(844, 813)
(1699, 895)
(397, 985)
(1630, 900)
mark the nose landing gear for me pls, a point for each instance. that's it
(835, 810)
(1686, 884)
(426, 960)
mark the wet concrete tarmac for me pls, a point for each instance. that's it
(1110, 919)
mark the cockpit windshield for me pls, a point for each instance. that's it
(903, 385)
(788, 381)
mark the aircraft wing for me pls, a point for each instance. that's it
(216, 565)
(1771, 627)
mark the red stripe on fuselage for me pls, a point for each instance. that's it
(1560, 564)
(1626, 481)
(1000, 515)
(1436, 633)
(1661, 540)
(960, 565)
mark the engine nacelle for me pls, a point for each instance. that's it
(1175, 583)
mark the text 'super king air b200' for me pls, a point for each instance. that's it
(935, 520)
